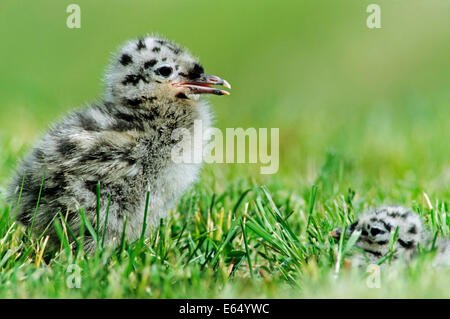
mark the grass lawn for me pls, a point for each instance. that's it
(364, 119)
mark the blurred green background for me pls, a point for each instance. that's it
(378, 98)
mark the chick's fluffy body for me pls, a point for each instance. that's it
(124, 142)
(376, 229)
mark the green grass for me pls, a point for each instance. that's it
(364, 120)
(243, 241)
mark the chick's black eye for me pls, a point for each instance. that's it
(375, 231)
(164, 71)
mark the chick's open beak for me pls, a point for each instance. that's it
(202, 85)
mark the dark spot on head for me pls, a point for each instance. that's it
(156, 49)
(150, 63)
(386, 225)
(413, 229)
(134, 79)
(164, 59)
(162, 42)
(177, 67)
(364, 233)
(196, 71)
(382, 242)
(125, 59)
(141, 45)
(393, 214)
(174, 49)
(406, 244)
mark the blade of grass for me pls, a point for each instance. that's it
(122, 240)
(88, 224)
(98, 209)
(312, 200)
(144, 224)
(37, 203)
(61, 236)
(69, 228)
(241, 198)
(19, 198)
(247, 251)
(106, 221)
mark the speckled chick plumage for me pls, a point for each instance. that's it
(376, 227)
(124, 141)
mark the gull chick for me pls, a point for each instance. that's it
(376, 228)
(123, 142)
